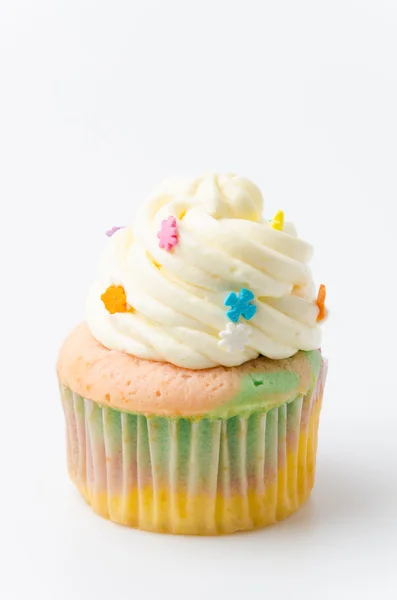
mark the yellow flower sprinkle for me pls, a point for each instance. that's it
(278, 221)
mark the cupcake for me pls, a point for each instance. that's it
(192, 391)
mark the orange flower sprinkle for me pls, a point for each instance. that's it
(322, 312)
(115, 300)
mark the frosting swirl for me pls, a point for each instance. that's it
(177, 298)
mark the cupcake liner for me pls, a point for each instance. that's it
(193, 476)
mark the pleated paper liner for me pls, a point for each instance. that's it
(194, 476)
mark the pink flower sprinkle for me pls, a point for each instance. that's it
(113, 230)
(168, 234)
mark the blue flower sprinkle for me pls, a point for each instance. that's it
(240, 305)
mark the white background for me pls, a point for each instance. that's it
(99, 100)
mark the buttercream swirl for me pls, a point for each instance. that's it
(177, 297)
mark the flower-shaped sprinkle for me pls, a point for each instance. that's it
(278, 221)
(168, 234)
(240, 305)
(235, 337)
(322, 311)
(113, 230)
(115, 300)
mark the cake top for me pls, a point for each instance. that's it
(127, 383)
(201, 279)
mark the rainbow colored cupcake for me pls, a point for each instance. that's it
(193, 391)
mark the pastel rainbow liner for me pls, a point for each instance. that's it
(205, 475)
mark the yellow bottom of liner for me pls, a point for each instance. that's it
(179, 513)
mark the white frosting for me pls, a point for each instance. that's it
(178, 297)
